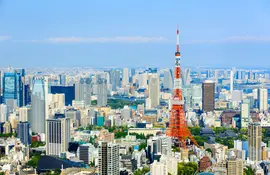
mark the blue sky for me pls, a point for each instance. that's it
(105, 33)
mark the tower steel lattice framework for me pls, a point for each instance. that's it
(177, 125)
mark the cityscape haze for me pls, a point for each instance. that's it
(134, 88)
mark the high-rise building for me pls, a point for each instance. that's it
(196, 96)
(62, 80)
(154, 90)
(24, 114)
(132, 72)
(125, 77)
(3, 113)
(187, 77)
(208, 93)
(108, 158)
(69, 92)
(168, 79)
(13, 87)
(158, 168)
(101, 92)
(245, 115)
(57, 135)
(115, 79)
(262, 99)
(231, 81)
(250, 75)
(83, 90)
(255, 141)
(235, 167)
(86, 153)
(126, 113)
(38, 106)
(27, 95)
(142, 80)
(24, 133)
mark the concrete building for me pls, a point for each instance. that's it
(38, 106)
(101, 92)
(108, 158)
(24, 114)
(3, 113)
(154, 90)
(86, 153)
(125, 77)
(57, 136)
(208, 99)
(255, 142)
(231, 81)
(24, 133)
(115, 79)
(245, 115)
(168, 79)
(235, 167)
(83, 90)
(262, 99)
(56, 101)
(158, 168)
(126, 113)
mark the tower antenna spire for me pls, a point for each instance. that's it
(178, 128)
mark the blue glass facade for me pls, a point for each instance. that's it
(69, 92)
(12, 87)
(24, 132)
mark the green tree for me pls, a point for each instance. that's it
(142, 146)
(36, 144)
(249, 171)
(34, 161)
(195, 131)
(187, 168)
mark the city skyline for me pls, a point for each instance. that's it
(137, 34)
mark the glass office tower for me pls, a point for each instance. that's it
(13, 87)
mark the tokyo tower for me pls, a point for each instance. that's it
(178, 128)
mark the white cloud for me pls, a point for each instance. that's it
(117, 39)
(232, 39)
(4, 38)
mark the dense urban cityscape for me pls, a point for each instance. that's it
(134, 87)
(156, 121)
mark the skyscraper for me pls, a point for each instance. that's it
(3, 113)
(187, 77)
(62, 80)
(24, 133)
(245, 115)
(101, 92)
(38, 106)
(262, 99)
(57, 135)
(168, 79)
(250, 75)
(208, 99)
(255, 141)
(83, 90)
(115, 79)
(13, 87)
(154, 90)
(108, 158)
(142, 78)
(231, 81)
(24, 114)
(125, 77)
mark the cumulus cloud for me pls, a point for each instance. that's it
(232, 39)
(117, 39)
(4, 38)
